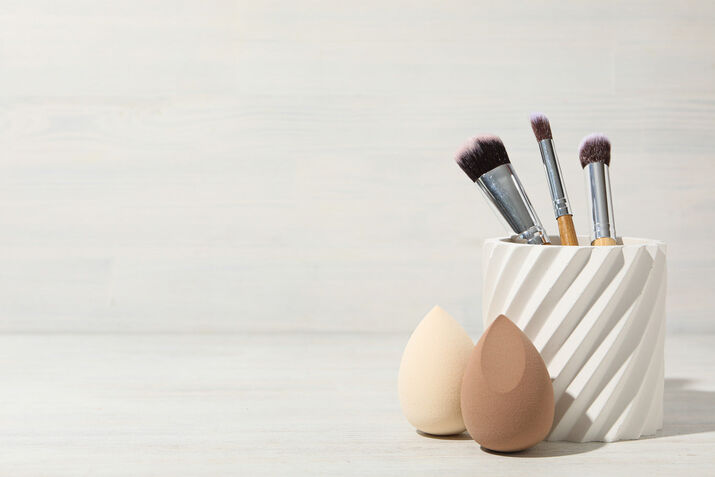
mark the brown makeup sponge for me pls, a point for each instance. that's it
(507, 398)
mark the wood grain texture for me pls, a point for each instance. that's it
(225, 166)
(286, 404)
(604, 242)
(567, 231)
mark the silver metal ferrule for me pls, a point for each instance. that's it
(600, 205)
(506, 194)
(559, 198)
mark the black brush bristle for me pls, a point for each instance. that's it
(595, 148)
(481, 154)
(540, 125)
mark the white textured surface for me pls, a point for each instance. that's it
(597, 316)
(241, 165)
(288, 404)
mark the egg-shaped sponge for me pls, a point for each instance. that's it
(507, 397)
(431, 373)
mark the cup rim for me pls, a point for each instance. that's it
(623, 242)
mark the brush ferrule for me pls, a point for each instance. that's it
(506, 194)
(598, 185)
(559, 198)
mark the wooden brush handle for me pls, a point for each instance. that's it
(604, 241)
(567, 232)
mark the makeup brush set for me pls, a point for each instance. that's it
(485, 161)
(574, 334)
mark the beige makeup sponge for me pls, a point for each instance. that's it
(431, 374)
(507, 396)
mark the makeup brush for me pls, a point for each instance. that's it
(485, 161)
(595, 155)
(559, 198)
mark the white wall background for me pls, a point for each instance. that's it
(227, 166)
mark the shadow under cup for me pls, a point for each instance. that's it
(597, 316)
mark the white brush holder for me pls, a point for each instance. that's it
(597, 316)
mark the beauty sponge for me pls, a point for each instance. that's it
(431, 374)
(507, 398)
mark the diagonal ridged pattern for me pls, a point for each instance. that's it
(597, 316)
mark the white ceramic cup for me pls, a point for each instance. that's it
(597, 316)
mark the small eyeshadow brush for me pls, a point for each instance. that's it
(559, 198)
(485, 161)
(595, 155)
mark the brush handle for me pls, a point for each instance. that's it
(567, 232)
(604, 241)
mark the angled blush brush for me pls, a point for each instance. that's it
(595, 155)
(485, 161)
(559, 198)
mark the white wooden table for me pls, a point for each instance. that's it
(286, 404)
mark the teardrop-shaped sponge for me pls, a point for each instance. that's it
(431, 374)
(507, 396)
